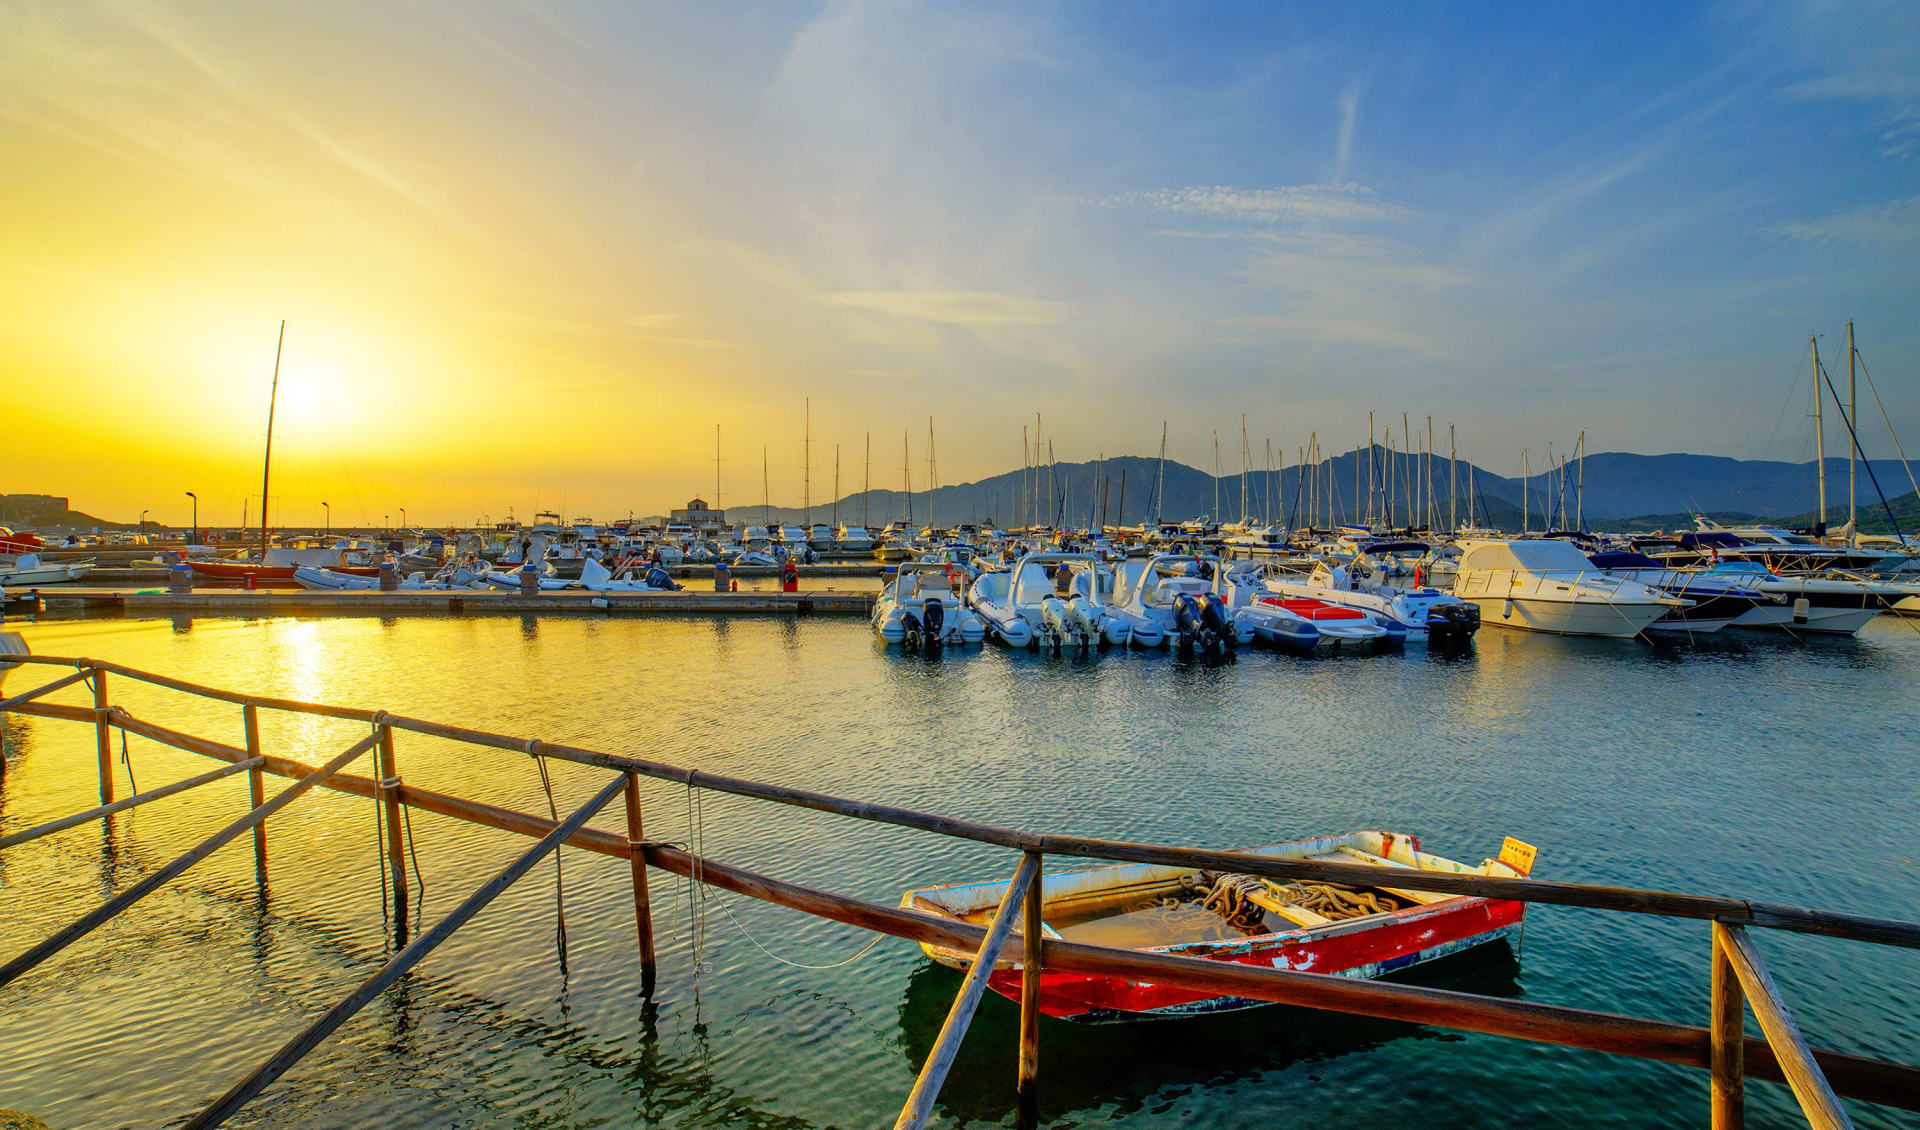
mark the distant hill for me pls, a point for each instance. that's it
(49, 512)
(1653, 491)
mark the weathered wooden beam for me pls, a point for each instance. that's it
(17, 700)
(103, 735)
(93, 919)
(309, 1038)
(1810, 1086)
(933, 1073)
(1728, 1087)
(389, 786)
(256, 789)
(1032, 931)
(123, 804)
(1672, 904)
(642, 901)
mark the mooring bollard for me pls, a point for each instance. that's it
(180, 577)
(389, 575)
(529, 578)
(722, 577)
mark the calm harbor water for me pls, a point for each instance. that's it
(1745, 765)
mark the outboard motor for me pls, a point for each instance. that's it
(1199, 620)
(1218, 620)
(1452, 625)
(659, 578)
(910, 632)
(936, 619)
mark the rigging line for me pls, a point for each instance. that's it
(1889, 422)
(1767, 447)
(1868, 463)
(858, 954)
(128, 762)
(559, 876)
(420, 881)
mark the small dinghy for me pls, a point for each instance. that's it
(1338, 623)
(1270, 923)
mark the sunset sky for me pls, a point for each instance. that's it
(531, 254)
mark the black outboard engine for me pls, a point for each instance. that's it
(1452, 625)
(1190, 619)
(659, 578)
(1214, 615)
(935, 619)
(910, 632)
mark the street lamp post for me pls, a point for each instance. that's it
(403, 517)
(143, 521)
(195, 535)
(329, 511)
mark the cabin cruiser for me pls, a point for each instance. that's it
(820, 536)
(1371, 583)
(854, 539)
(923, 606)
(1831, 605)
(1176, 598)
(1033, 604)
(1719, 597)
(1780, 551)
(896, 543)
(1550, 586)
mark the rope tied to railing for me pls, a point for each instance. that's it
(380, 837)
(696, 883)
(559, 874)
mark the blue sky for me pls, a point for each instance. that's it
(1528, 219)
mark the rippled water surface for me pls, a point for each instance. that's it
(1749, 765)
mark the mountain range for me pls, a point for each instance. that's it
(1614, 488)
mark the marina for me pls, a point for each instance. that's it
(1267, 764)
(519, 609)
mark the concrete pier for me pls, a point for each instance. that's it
(71, 600)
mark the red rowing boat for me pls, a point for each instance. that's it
(1272, 923)
(239, 572)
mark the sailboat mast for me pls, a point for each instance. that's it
(1243, 468)
(1453, 482)
(1369, 470)
(1819, 436)
(1526, 505)
(1215, 516)
(1428, 489)
(716, 467)
(836, 491)
(1580, 498)
(866, 485)
(1160, 479)
(933, 472)
(806, 466)
(266, 470)
(906, 476)
(766, 498)
(1853, 449)
(1026, 479)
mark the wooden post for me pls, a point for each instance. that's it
(396, 848)
(103, 733)
(1729, 1039)
(642, 903)
(1032, 934)
(256, 788)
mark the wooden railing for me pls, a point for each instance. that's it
(1739, 978)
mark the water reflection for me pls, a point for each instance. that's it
(1125, 1068)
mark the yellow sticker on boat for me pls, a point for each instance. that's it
(1518, 854)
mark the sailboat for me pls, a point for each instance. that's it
(276, 565)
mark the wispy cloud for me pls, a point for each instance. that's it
(955, 307)
(1896, 221)
(1349, 114)
(1303, 203)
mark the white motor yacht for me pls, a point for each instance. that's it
(1550, 586)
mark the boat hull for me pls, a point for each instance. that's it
(1824, 621)
(1568, 618)
(1416, 938)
